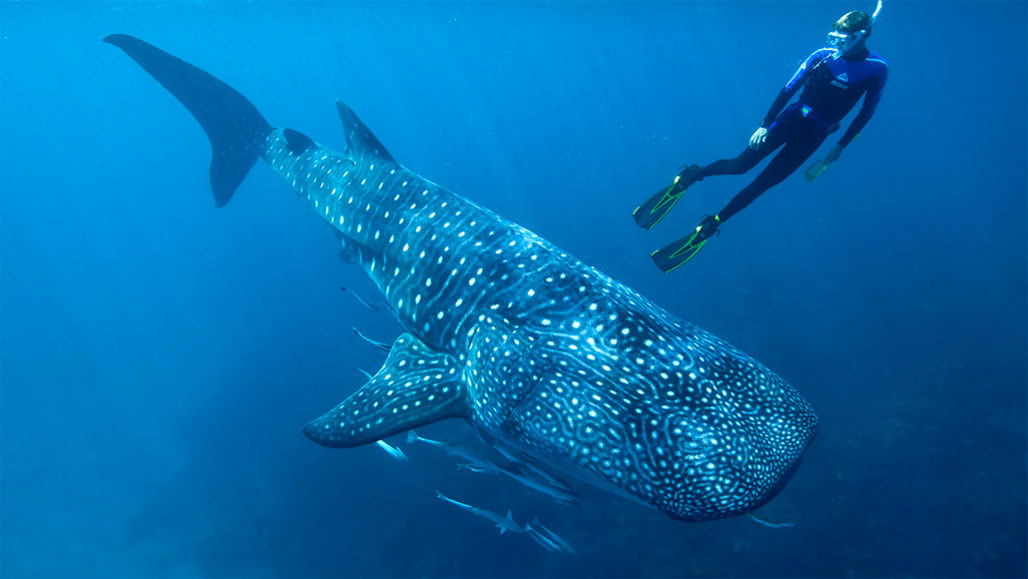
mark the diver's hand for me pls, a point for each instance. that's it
(833, 154)
(758, 138)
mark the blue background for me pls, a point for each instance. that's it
(159, 356)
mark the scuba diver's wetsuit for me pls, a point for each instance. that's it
(831, 87)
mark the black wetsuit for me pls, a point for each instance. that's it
(831, 87)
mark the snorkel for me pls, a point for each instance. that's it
(844, 42)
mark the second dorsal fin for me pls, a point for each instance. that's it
(361, 143)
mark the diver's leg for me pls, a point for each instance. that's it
(799, 142)
(778, 134)
(784, 164)
(654, 209)
(738, 165)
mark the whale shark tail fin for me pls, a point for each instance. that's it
(361, 144)
(235, 127)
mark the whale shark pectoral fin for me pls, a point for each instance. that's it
(361, 143)
(416, 386)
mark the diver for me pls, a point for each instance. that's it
(832, 79)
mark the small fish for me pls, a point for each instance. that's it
(525, 474)
(367, 374)
(467, 454)
(770, 523)
(524, 459)
(526, 462)
(528, 476)
(380, 345)
(503, 523)
(359, 299)
(394, 452)
(480, 467)
(550, 541)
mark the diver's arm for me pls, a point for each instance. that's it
(871, 100)
(760, 135)
(781, 100)
(860, 121)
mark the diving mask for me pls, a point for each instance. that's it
(843, 42)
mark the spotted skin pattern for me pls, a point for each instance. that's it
(538, 351)
(541, 351)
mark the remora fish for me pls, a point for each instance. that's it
(503, 523)
(528, 476)
(548, 539)
(392, 451)
(451, 449)
(535, 349)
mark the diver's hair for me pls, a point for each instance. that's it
(854, 21)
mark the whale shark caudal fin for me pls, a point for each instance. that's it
(415, 386)
(235, 127)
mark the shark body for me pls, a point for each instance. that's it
(538, 351)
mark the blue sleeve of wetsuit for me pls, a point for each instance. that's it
(871, 99)
(793, 85)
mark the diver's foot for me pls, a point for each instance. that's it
(660, 204)
(708, 227)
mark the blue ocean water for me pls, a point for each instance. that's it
(160, 356)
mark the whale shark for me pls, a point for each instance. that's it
(540, 353)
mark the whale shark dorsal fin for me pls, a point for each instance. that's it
(416, 385)
(361, 143)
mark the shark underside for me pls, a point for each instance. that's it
(538, 351)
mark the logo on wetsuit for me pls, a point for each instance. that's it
(841, 80)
